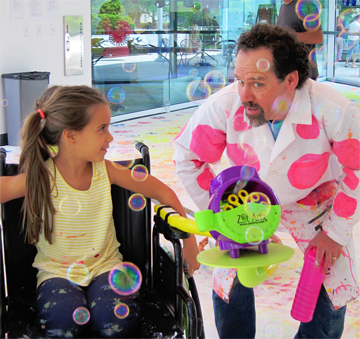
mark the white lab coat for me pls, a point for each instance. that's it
(318, 145)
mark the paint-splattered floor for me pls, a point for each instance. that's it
(273, 297)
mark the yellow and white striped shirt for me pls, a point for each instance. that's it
(84, 238)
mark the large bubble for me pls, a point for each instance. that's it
(216, 80)
(303, 8)
(198, 90)
(125, 278)
(254, 235)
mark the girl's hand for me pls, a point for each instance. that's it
(190, 251)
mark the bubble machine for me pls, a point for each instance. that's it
(242, 226)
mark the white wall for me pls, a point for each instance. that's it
(19, 53)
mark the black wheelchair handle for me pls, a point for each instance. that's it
(2, 161)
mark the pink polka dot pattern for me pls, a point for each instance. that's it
(309, 131)
(351, 180)
(348, 152)
(344, 206)
(205, 138)
(197, 163)
(239, 123)
(240, 157)
(308, 170)
(204, 179)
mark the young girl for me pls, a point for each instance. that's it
(69, 211)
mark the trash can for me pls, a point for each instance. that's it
(21, 91)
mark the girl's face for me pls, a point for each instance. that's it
(93, 140)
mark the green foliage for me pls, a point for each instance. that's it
(111, 7)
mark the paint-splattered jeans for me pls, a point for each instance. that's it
(237, 318)
(58, 299)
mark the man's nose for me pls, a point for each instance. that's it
(246, 93)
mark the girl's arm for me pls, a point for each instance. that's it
(12, 187)
(155, 189)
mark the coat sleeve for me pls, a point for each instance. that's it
(344, 138)
(198, 145)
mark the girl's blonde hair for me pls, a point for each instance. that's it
(64, 108)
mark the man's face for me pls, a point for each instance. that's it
(263, 95)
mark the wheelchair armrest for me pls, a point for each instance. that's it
(161, 219)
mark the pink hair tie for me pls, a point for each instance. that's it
(42, 115)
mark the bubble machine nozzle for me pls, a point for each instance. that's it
(308, 289)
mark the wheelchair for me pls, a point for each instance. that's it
(168, 300)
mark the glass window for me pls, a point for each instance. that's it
(153, 54)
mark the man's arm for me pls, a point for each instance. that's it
(311, 37)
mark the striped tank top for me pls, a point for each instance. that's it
(84, 238)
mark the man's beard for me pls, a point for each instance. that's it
(255, 120)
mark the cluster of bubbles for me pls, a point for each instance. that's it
(81, 315)
(309, 12)
(125, 278)
(116, 95)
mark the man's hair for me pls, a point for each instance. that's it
(289, 54)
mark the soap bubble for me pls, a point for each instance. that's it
(77, 273)
(263, 65)
(198, 90)
(4, 102)
(129, 67)
(281, 106)
(273, 330)
(81, 315)
(139, 173)
(121, 311)
(137, 202)
(312, 57)
(253, 138)
(303, 8)
(116, 95)
(312, 22)
(254, 235)
(215, 79)
(69, 206)
(125, 278)
(257, 205)
(193, 72)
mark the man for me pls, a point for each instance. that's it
(304, 19)
(302, 137)
(353, 41)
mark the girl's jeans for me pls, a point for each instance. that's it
(58, 299)
(237, 319)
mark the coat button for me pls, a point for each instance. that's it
(273, 173)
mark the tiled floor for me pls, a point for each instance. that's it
(273, 297)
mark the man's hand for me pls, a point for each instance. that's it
(327, 248)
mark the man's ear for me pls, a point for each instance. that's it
(292, 80)
(69, 136)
